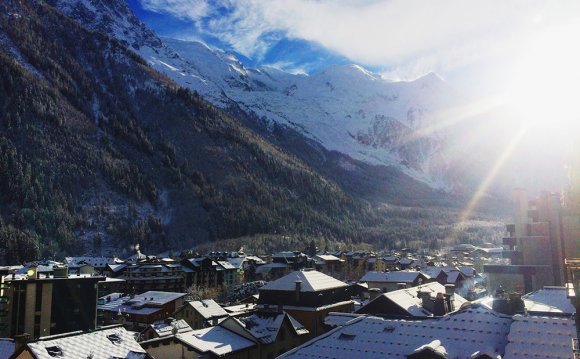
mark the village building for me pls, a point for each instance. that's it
(275, 333)
(164, 328)
(536, 246)
(200, 313)
(211, 343)
(389, 281)
(137, 312)
(46, 304)
(308, 296)
(427, 300)
(103, 343)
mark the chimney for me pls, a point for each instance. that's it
(20, 341)
(439, 305)
(426, 301)
(280, 308)
(297, 291)
(449, 303)
(449, 289)
(373, 293)
(60, 272)
(401, 285)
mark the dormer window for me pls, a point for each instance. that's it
(54, 351)
(114, 338)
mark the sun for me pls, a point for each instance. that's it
(544, 91)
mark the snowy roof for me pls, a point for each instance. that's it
(227, 265)
(6, 348)
(266, 268)
(216, 340)
(208, 308)
(408, 300)
(99, 262)
(265, 327)
(145, 303)
(335, 319)
(312, 281)
(164, 328)
(462, 333)
(405, 261)
(549, 299)
(432, 272)
(328, 257)
(540, 337)
(105, 343)
(467, 271)
(434, 347)
(391, 277)
(240, 308)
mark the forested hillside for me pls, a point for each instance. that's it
(95, 144)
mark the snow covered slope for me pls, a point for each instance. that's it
(345, 108)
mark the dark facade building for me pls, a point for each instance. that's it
(308, 296)
(52, 305)
(537, 245)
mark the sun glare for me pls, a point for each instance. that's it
(544, 92)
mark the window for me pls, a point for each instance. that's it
(114, 338)
(54, 351)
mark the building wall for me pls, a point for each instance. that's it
(313, 320)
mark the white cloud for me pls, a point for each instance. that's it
(407, 37)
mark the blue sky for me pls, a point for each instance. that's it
(290, 54)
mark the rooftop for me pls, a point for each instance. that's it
(208, 308)
(408, 298)
(549, 300)
(396, 277)
(540, 337)
(462, 334)
(311, 281)
(106, 343)
(216, 340)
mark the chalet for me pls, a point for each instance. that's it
(164, 328)
(102, 343)
(436, 273)
(307, 295)
(430, 299)
(274, 333)
(138, 311)
(201, 313)
(211, 343)
(296, 260)
(202, 272)
(389, 281)
(327, 263)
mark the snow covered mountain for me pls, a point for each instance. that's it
(344, 108)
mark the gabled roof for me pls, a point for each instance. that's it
(208, 308)
(408, 300)
(106, 343)
(540, 337)
(164, 329)
(462, 334)
(311, 281)
(265, 326)
(216, 340)
(391, 277)
(145, 303)
(549, 300)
